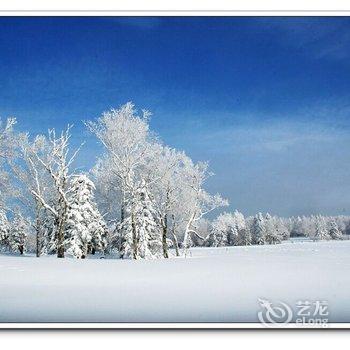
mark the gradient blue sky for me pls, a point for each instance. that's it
(264, 100)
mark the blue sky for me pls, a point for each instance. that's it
(264, 100)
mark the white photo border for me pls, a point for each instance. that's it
(169, 13)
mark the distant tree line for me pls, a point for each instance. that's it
(230, 229)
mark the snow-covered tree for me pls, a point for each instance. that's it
(272, 235)
(321, 232)
(258, 230)
(199, 202)
(9, 141)
(5, 227)
(47, 240)
(141, 231)
(282, 226)
(225, 230)
(244, 236)
(174, 183)
(334, 231)
(34, 182)
(85, 228)
(57, 164)
(19, 230)
(220, 229)
(163, 173)
(126, 137)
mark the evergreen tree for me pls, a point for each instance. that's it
(210, 240)
(334, 231)
(258, 230)
(223, 231)
(18, 234)
(48, 239)
(85, 228)
(142, 236)
(272, 236)
(244, 237)
(281, 226)
(321, 232)
(4, 230)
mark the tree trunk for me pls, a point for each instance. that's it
(21, 249)
(134, 238)
(122, 212)
(175, 242)
(37, 229)
(38, 247)
(61, 228)
(164, 237)
(60, 239)
(186, 235)
(121, 240)
(60, 251)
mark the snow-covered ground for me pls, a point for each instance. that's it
(212, 285)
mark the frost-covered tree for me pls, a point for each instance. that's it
(57, 163)
(5, 228)
(258, 230)
(229, 229)
(164, 174)
(222, 227)
(174, 183)
(303, 226)
(8, 144)
(85, 228)
(199, 202)
(334, 231)
(48, 234)
(34, 182)
(244, 236)
(140, 229)
(272, 235)
(321, 232)
(282, 226)
(19, 230)
(126, 138)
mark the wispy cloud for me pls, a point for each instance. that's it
(287, 164)
(320, 36)
(318, 124)
(270, 136)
